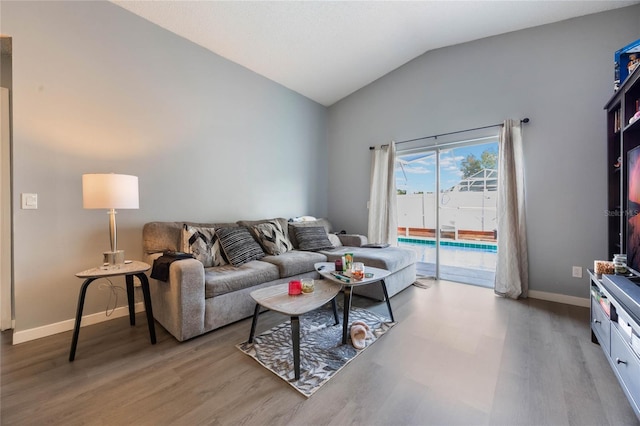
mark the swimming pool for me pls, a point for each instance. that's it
(478, 256)
(476, 245)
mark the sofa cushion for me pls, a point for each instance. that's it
(353, 240)
(312, 238)
(238, 245)
(225, 279)
(271, 237)
(295, 262)
(203, 243)
(390, 258)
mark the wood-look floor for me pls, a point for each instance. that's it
(458, 356)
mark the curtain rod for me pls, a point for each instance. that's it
(524, 120)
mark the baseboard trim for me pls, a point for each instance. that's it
(67, 325)
(560, 298)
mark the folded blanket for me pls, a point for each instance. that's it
(161, 265)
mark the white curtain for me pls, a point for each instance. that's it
(512, 268)
(383, 218)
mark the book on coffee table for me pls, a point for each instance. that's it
(376, 245)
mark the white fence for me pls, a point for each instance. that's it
(472, 211)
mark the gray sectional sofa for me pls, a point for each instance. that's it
(196, 299)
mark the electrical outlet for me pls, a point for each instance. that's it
(577, 272)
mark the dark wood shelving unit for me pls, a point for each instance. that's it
(621, 137)
(615, 299)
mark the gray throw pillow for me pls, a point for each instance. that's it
(238, 245)
(271, 237)
(203, 244)
(312, 238)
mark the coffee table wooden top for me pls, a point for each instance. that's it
(326, 268)
(277, 297)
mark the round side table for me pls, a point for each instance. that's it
(129, 270)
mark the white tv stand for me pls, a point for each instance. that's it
(615, 324)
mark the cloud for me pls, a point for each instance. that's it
(448, 161)
(418, 170)
(427, 162)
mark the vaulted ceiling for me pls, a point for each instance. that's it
(326, 50)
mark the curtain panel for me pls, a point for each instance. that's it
(383, 220)
(512, 266)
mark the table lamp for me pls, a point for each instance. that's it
(110, 191)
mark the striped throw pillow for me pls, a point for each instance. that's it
(312, 238)
(238, 245)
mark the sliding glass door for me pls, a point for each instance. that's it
(416, 176)
(447, 209)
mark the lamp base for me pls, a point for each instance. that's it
(113, 259)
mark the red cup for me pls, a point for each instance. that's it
(295, 287)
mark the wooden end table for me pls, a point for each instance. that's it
(277, 298)
(326, 268)
(129, 270)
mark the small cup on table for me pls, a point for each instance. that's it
(307, 285)
(357, 271)
(295, 287)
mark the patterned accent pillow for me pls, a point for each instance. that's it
(238, 245)
(271, 237)
(203, 244)
(312, 238)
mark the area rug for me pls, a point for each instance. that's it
(322, 353)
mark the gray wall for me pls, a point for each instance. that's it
(560, 75)
(97, 90)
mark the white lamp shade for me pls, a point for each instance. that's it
(109, 191)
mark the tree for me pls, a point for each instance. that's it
(489, 159)
(472, 165)
(402, 192)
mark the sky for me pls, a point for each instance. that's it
(420, 168)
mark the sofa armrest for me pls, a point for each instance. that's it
(352, 240)
(179, 304)
(149, 258)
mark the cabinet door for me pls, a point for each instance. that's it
(627, 366)
(601, 326)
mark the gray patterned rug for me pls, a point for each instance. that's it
(322, 353)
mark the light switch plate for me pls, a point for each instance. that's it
(29, 201)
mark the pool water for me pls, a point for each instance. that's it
(478, 245)
(471, 265)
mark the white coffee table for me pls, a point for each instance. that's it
(277, 298)
(326, 268)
